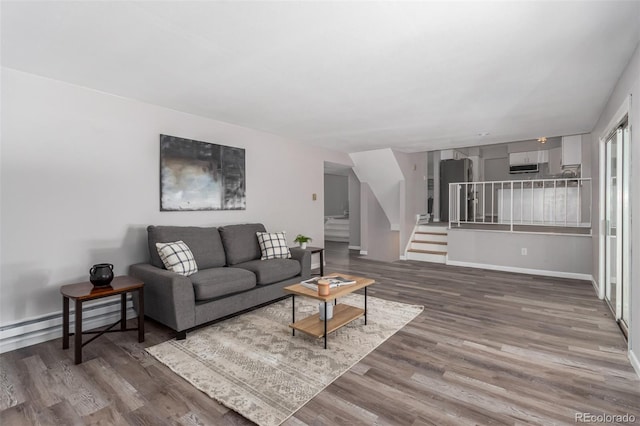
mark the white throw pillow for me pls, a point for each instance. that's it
(273, 245)
(177, 257)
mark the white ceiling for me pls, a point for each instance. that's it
(350, 76)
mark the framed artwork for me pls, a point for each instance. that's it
(197, 175)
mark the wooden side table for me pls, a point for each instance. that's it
(321, 251)
(81, 292)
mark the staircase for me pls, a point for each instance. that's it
(429, 244)
(336, 229)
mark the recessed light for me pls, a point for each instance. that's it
(542, 139)
(482, 134)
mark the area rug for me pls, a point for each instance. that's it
(253, 365)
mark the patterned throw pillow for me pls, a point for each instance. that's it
(273, 245)
(177, 257)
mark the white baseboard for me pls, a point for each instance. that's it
(634, 362)
(596, 287)
(354, 247)
(315, 265)
(364, 252)
(403, 257)
(37, 330)
(542, 272)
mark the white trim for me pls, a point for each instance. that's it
(596, 287)
(315, 265)
(354, 247)
(601, 211)
(542, 272)
(634, 361)
(364, 252)
(623, 110)
(619, 224)
(555, 234)
(26, 333)
(403, 256)
(626, 195)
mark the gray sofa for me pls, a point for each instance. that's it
(231, 278)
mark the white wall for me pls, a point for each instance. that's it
(436, 186)
(354, 211)
(378, 242)
(565, 255)
(628, 84)
(79, 184)
(414, 201)
(379, 168)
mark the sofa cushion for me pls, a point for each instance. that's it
(273, 270)
(241, 242)
(205, 244)
(273, 245)
(177, 257)
(217, 282)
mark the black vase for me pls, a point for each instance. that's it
(101, 274)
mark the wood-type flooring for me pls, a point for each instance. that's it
(489, 348)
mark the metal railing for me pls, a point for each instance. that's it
(541, 202)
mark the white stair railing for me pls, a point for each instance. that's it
(541, 202)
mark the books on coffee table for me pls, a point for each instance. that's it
(333, 282)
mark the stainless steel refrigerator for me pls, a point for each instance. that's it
(455, 171)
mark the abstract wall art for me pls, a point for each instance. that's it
(198, 175)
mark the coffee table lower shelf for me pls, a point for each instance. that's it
(342, 315)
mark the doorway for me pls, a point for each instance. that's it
(617, 205)
(341, 205)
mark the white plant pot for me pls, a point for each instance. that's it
(303, 246)
(329, 311)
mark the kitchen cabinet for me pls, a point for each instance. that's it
(519, 158)
(543, 156)
(555, 161)
(572, 150)
(530, 157)
(451, 154)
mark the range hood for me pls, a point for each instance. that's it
(524, 168)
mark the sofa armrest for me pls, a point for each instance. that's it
(168, 297)
(304, 257)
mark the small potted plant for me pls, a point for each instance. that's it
(302, 240)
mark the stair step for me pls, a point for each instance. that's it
(336, 238)
(427, 257)
(442, 253)
(428, 245)
(430, 238)
(431, 233)
(424, 228)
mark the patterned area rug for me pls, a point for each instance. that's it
(253, 365)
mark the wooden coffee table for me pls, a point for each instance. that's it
(342, 313)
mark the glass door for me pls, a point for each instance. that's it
(611, 205)
(617, 203)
